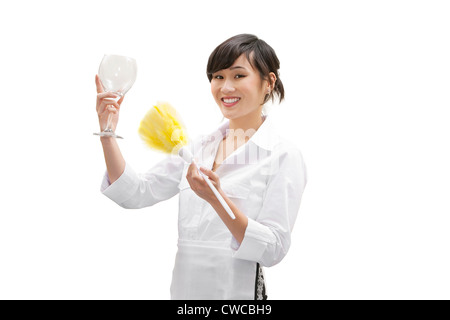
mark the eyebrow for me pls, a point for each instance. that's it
(236, 67)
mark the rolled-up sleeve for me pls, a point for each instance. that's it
(268, 237)
(133, 191)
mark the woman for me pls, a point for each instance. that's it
(260, 176)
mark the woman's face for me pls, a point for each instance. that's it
(239, 90)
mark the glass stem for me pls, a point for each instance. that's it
(108, 123)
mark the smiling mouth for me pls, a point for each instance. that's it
(229, 102)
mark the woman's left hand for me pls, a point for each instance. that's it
(199, 185)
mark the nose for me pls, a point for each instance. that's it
(227, 87)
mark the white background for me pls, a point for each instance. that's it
(367, 102)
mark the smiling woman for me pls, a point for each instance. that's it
(218, 257)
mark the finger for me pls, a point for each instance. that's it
(190, 178)
(110, 105)
(195, 178)
(108, 102)
(113, 110)
(120, 100)
(98, 84)
(103, 95)
(211, 174)
(108, 111)
(192, 170)
(102, 99)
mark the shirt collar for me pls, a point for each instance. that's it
(265, 137)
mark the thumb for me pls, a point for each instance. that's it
(99, 84)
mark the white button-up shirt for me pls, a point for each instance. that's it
(265, 178)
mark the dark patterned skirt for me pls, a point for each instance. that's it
(260, 287)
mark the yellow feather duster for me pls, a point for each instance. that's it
(162, 129)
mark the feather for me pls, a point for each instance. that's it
(162, 129)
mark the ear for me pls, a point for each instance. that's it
(271, 82)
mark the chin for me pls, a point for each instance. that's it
(228, 114)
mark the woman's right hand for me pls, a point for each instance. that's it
(106, 105)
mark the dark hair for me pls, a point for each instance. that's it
(259, 54)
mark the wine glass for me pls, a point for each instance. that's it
(117, 74)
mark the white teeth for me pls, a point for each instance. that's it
(231, 100)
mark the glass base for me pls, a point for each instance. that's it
(108, 134)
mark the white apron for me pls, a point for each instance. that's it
(206, 270)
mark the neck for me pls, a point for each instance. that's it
(249, 121)
(246, 125)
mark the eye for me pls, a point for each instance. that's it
(238, 76)
(218, 77)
